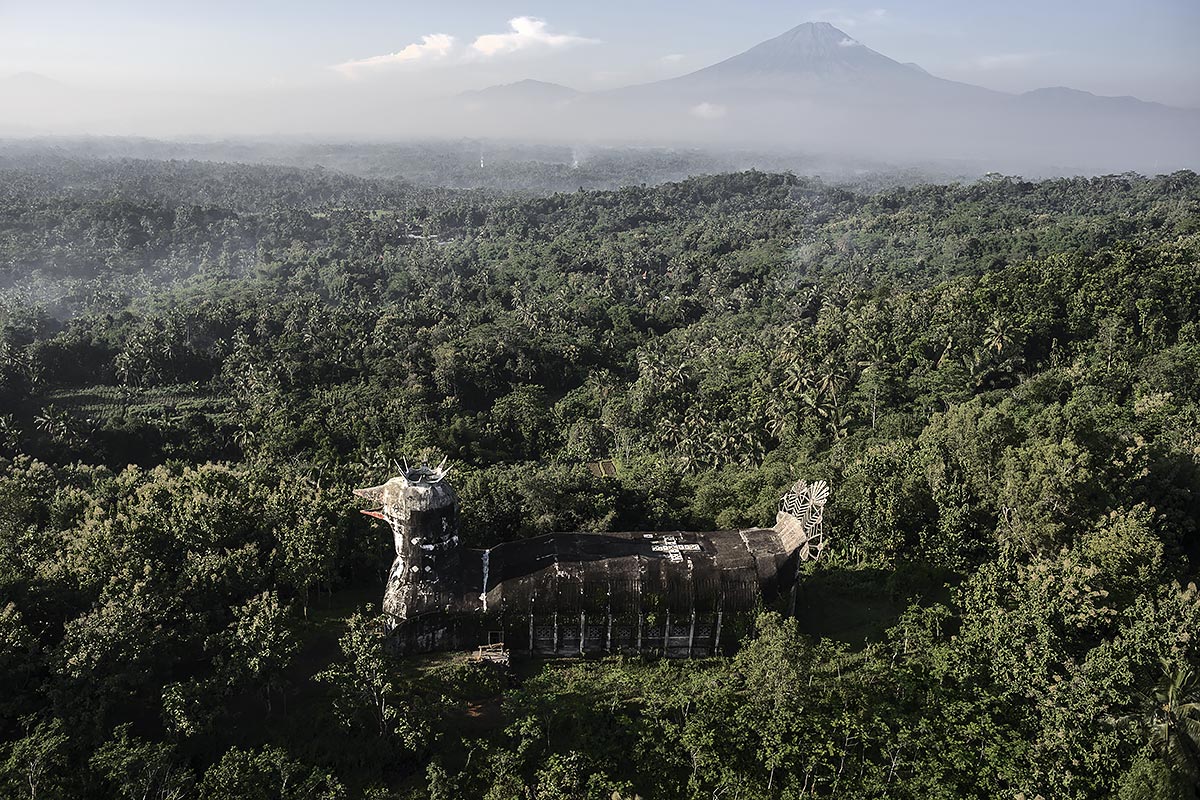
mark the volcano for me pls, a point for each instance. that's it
(815, 61)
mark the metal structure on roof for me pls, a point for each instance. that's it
(677, 593)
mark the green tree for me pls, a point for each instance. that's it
(365, 693)
(267, 774)
(35, 766)
(257, 647)
(135, 769)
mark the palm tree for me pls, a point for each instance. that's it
(872, 365)
(1173, 720)
(812, 300)
(650, 366)
(999, 334)
(831, 381)
(797, 377)
(671, 434)
(779, 422)
(243, 437)
(54, 422)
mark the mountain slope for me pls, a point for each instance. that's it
(814, 59)
(814, 48)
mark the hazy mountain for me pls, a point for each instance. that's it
(29, 86)
(1060, 97)
(815, 49)
(25, 91)
(811, 58)
(29, 81)
(524, 91)
(816, 87)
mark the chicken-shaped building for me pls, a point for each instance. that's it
(675, 593)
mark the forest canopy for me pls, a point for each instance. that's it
(1000, 379)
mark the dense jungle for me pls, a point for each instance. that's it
(999, 378)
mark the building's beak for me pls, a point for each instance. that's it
(375, 514)
(374, 493)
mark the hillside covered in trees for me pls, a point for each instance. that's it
(1000, 379)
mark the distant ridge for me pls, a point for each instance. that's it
(524, 90)
(30, 79)
(32, 84)
(1059, 95)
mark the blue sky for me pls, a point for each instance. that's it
(1145, 48)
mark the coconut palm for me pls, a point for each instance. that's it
(1172, 719)
(1177, 731)
(999, 334)
(797, 377)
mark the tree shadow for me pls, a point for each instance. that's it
(858, 605)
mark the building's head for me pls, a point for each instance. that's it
(422, 508)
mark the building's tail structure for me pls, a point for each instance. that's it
(800, 518)
(674, 593)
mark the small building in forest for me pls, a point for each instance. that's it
(673, 593)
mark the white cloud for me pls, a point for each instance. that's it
(1004, 60)
(525, 33)
(848, 42)
(672, 58)
(432, 47)
(708, 111)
